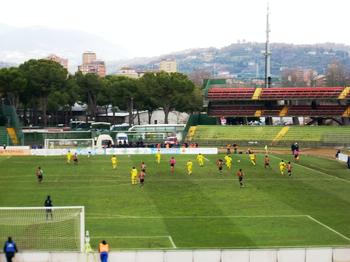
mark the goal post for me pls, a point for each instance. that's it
(44, 228)
(69, 143)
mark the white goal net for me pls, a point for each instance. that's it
(69, 143)
(40, 228)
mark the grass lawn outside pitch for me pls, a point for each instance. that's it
(204, 210)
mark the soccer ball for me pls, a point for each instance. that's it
(238, 160)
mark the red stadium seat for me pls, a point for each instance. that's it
(217, 93)
(274, 93)
(288, 93)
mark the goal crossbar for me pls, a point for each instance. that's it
(43, 208)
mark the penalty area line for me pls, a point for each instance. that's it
(98, 216)
(172, 241)
(137, 237)
(130, 237)
(328, 227)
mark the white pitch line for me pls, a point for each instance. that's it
(329, 228)
(320, 172)
(189, 217)
(106, 237)
(172, 241)
(249, 247)
(138, 237)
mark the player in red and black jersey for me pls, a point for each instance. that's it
(266, 161)
(220, 164)
(240, 176)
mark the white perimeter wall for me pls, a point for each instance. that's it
(174, 117)
(273, 255)
(124, 151)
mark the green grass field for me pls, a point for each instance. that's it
(205, 210)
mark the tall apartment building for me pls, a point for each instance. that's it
(169, 66)
(92, 65)
(62, 61)
(89, 57)
(298, 76)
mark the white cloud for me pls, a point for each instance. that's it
(155, 27)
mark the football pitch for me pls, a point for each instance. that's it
(204, 210)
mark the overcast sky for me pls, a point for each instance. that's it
(155, 27)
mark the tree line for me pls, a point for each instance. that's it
(42, 89)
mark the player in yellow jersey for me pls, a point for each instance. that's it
(133, 174)
(200, 159)
(69, 157)
(189, 167)
(252, 158)
(228, 161)
(158, 156)
(114, 162)
(282, 167)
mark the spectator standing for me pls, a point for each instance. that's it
(235, 148)
(103, 248)
(228, 149)
(10, 249)
(337, 154)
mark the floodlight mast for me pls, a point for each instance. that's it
(267, 53)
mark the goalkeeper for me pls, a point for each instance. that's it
(48, 204)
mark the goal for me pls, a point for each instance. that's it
(69, 143)
(46, 229)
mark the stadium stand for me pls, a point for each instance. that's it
(10, 127)
(295, 110)
(3, 135)
(273, 135)
(275, 101)
(234, 133)
(219, 93)
(238, 110)
(301, 93)
(321, 110)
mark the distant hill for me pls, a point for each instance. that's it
(246, 60)
(20, 44)
(6, 64)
